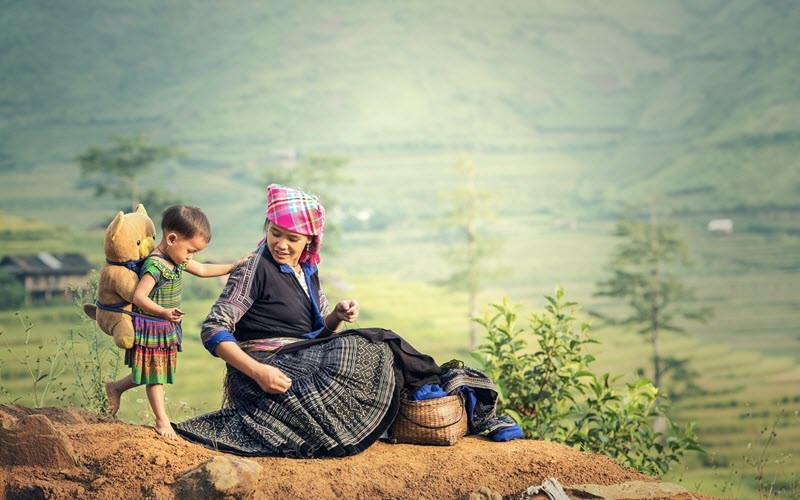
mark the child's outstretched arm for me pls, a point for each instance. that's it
(141, 297)
(211, 270)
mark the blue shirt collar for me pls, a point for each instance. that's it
(307, 268)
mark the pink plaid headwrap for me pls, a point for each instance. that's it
(298, 212)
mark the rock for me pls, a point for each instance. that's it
(66, 416)
(484, 493)
(632, 490)
(220, 477)
(33, 440)
(17, 492)
(550, 489)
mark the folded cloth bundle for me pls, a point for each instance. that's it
(429, 391)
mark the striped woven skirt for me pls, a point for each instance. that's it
(154, 354)
(341, 400)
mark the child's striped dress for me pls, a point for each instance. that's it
(156, 341)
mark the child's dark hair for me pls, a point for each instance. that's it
(187, 221)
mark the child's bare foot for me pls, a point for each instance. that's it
(114, 396)
(165, 429)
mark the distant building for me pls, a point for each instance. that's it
(46, 275)
(720, 226)
(565, 224)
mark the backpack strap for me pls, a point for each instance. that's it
(133, 265)
(118, 308)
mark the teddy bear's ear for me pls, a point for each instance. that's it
(116, 225)
(140, 209)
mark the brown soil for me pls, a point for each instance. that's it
(120, 461)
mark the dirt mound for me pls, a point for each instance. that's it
(120, 461)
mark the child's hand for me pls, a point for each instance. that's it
(174, 314)
(240, 262)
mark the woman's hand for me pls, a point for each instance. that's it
(271, 379)
(346, 310)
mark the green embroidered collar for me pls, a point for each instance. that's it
(167, 272)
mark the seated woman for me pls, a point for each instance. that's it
(293, 388)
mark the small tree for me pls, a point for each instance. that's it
(316, 174)
(117, 170)
(468, 208)
(644, 267)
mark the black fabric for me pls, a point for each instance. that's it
(413, 369)
(280, 307)
(343, 397)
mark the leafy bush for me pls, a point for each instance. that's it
(12, 293)
(550, 391)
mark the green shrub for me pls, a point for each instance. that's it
(12, 293)
(548, 388)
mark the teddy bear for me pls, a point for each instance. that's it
(128, 239)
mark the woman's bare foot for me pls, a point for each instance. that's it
(166, 430)
(114, 396)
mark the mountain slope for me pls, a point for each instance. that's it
(635, 90)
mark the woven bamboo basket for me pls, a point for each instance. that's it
(440, 421)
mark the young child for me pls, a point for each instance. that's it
(157, 337)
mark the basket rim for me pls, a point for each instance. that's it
(435, 402)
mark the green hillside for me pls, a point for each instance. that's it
(695, 102)
(632, 88)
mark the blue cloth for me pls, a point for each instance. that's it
(470, 400)
(480, 399)
(314, 334)
(507, 433)
(428, 391)
(218, 338)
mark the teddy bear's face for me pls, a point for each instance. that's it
(130, 236)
